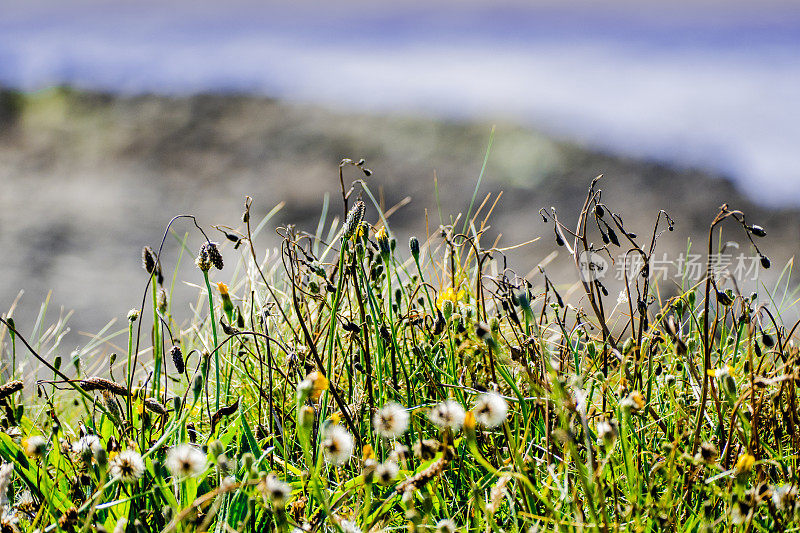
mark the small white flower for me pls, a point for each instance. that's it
(185, 460)
(446, 526)
(348, 526)
(490, 410)
(387, 472)
(337, 445)
(448, 414)
(277, 491)
(391, 421)
(87, 446)
(128, 466)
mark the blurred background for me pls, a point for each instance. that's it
(116, 116)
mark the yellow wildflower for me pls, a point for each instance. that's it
(449, 294)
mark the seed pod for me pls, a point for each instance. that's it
(102, 384)
(223, 411)
(197, 386)
(724, 299)
(758, 231)
(383, 243)
(767, 340)
(177, 359)
(413, 245)
(209, 256)
(153, 405)
(612, 236)
(149, 260)
(765, 261)
(161, 300)
(353, 220)
(214, 255)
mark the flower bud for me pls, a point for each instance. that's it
(413, 245)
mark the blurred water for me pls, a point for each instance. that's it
(713, 85)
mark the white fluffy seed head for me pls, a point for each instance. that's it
(337, 445)
(386, 473)
(128, 466)
(448, 414)
(185, 460)
(391, 421)
(35, 446)
(490, 410)
(446, 526)
(277, 491)
(348, 526)
(87, 445)
(6, 474)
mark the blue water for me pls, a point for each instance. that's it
(708, 84)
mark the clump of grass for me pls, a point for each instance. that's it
(359, 387)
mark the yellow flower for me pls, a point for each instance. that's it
(745, 463)
(320, 384)
(223, 289)
(720, 372)
(367, 452)
(449, 294)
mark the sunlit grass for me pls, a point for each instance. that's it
(354, 383)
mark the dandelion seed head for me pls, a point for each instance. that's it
(337, 445)
(447, 415)
(128, 466)
(276, 491)
(391, 421)
(386, 473)
(606, 432)
(490, 410)
(35, 446)
(348, 526)
(446, 526)
(185, 460)
(86, 446)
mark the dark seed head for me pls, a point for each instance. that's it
(354, 218)
(149, 260)
(177, 358)
(413, 245)
(767, 340)
(214, 255)
(758, 231)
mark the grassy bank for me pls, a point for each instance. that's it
(349, 382)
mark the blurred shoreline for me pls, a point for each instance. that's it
(90, 178)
